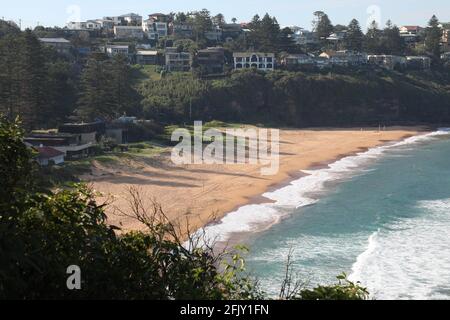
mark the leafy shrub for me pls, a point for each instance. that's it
(343, 290)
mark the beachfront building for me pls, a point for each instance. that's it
(85, 132)
(128, 32)
(177, 61)
(49, 156)
(61, 45)
(68, 144)
(147, 57)
(258, 60)
(389, 62)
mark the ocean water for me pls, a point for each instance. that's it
(382, 216)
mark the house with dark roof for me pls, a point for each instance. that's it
(211, 60)
(61, 45)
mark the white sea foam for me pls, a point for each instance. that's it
(411, 260)
(301, 192)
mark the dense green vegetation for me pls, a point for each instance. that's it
(42, 233)
(303, 98)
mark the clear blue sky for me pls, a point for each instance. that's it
(288, 12)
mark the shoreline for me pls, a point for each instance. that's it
(241, 238)
(206, 194)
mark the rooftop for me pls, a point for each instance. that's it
(54, 40)
(147, 53)
(48, 152)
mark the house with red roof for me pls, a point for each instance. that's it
(48, 155)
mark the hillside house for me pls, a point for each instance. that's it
(258, 60)
(69, 144)
(410, 30)
(177, 61)
(389, 62)
(147, 57)
(211, 60)
(231, 31)
(61, 45)
(128, 32)
(344, 58)
(303, 37)
(296, 60)
(131, 19)
(182, 30)
(113, 50)
(418, 62)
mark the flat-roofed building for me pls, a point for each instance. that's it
(147, 57)
(61, 45)
(128, 32)
(211, 60)
(259, 60)
(177, 61)
(113, 50)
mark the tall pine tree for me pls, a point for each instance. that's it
(355, 37)
(433, 37)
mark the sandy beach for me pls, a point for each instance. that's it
(204, 193)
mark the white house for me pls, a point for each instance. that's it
(76, 25)
(49, 155)
(112, 50)
(93, 25)
(258, 60)
(131, 19)
(155, 29)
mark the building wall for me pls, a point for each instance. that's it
(260, 61)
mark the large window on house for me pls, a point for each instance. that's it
(261, 65)
(269, 59)
(269, 66)
(239, 66)
(254, 58)
(254, 65)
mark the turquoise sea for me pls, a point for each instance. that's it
(382, 216)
